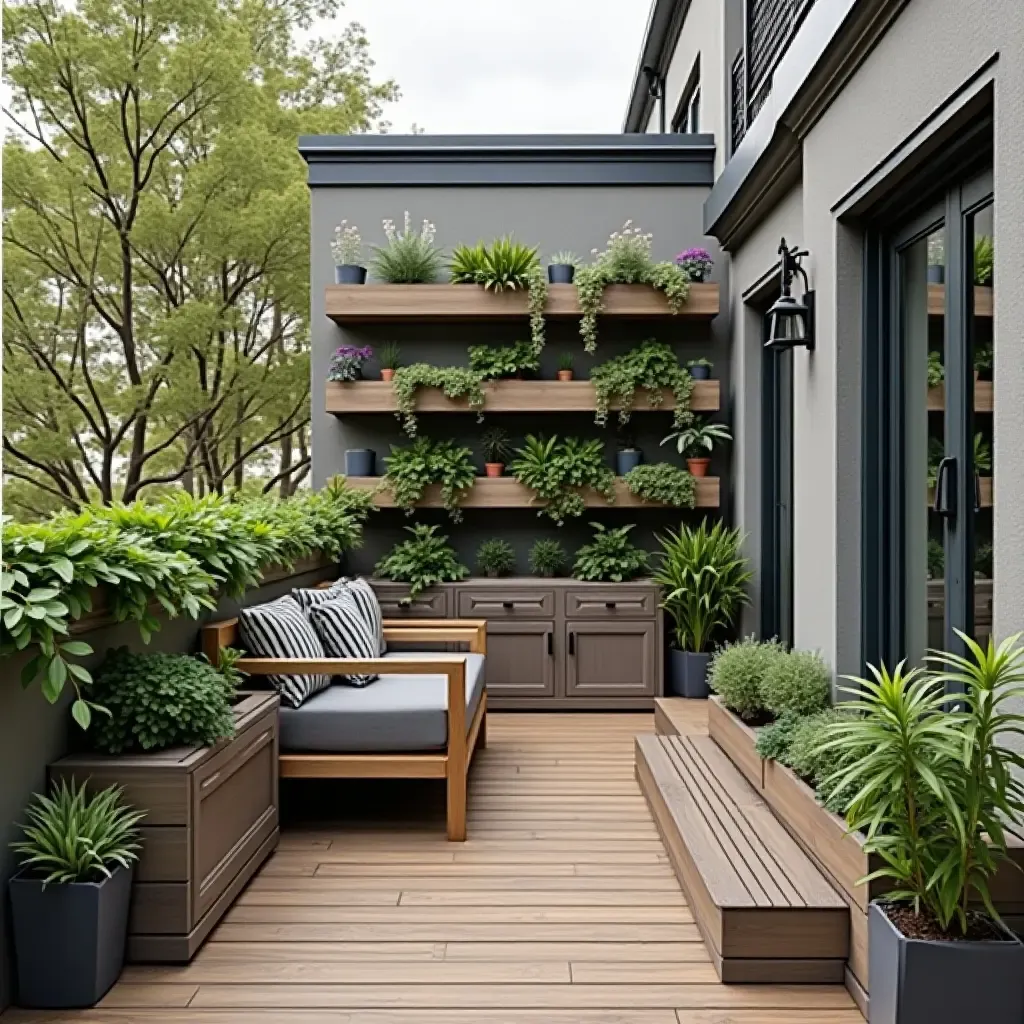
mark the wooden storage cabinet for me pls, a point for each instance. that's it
(520, 660)
(395, 602)
(611, 659)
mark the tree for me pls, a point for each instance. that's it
(156, 240)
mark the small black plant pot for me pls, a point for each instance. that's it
(920, 981)
(700, 372)
(561, 273)
(936, 273)
(688, 674)
(349, 273)
(359, 462)
(68, 939)
(628, 459)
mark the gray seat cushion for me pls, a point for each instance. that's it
(395, 713)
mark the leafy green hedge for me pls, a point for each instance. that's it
(180, 553)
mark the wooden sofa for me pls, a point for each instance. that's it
(449, 761)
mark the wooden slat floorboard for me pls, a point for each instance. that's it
(561, 908)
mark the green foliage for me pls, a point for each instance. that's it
(698, 440)
(389, 355)
(690, 363)
(800, 683)
(454, 381)
(495, 362)
(467, 263)
(566, 361)
(414, 467)
(626, 260)
(558, 471)
(705, 579)
(422, 562)
(74, 837)
(982, 454)
(983, 561)
(663, 483)
(410, 257)
(565, 258)
(496, 558)
(774, 740)
(610, 557)
(177, 553)
(548, 558)
(650, 367)
(984, 254)
(936, 371)
(506, 265)
(737, 670)
(936, 560)
(815, 763)
(494, 443)
(155, 701)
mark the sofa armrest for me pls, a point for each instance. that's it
(469, 631)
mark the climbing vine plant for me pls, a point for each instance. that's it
(455, 381)
(649, 367)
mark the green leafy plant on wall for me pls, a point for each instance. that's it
(423, 561)
(663, 483)
(454, 381)
(626, 260)
(410, 257)
(497, 362)
(496, 557)
(558, 471)
(649, 367)
(467, 263)
(610, 557)
(548, 558)
(412, 468)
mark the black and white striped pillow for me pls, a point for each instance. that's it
(365, 598)
(344, 633)
(278, 629)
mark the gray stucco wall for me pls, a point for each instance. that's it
(553, 218)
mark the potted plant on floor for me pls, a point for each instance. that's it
(69, 901)
(693, 441)
(562, 268)
(565, 364)
(936, 793)
(347, 248)
(705, 580)
(390, 358)
(494, 443)
(700, 369)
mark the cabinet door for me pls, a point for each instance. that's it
(611, 659)
(520, 659)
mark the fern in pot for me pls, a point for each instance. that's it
(704, 580)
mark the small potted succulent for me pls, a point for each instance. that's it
(562, 268)
(360, 462)
(496, 451)
(548, 558)
(347, 363)
(692, 441)
(627, 455)
(697, 263)
(700, 369)
(69, 901)
(496, 558)
(565, 363)
(347, 248)
(390, 359)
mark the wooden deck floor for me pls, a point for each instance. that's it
(561, 908)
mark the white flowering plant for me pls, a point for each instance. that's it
(410, 257)
(347, 247)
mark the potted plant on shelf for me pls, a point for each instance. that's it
(936, 258)
(697, 263)
(562, 268)
(496, 449)
(565, 363)
(548, 558)
(347, 249)
(627, 455)
(936, 792)
(347, 363)
(360, 462)
(692, 441)
(69, 901)
(705, 580)
(409, 257)
(496, 558)
(390, 358)
(700, 369)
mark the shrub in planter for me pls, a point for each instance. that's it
(736, 673)
(799, 683)
(424, 561)
(501, 362)
(548, 558)
(69, 901)
(816, 763)
(496, 558)
(611, 557)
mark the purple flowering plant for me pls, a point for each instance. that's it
(347, 362)
(696, 262)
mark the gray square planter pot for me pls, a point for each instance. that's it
(916, 981)
(688, 674)
(69, 940)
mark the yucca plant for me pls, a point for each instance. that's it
(74, 837)
(507, 265)
(467, 262)
(705, 580)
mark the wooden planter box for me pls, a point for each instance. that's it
(737, 739)
(211, 820)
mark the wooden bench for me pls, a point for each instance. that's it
(766, 913)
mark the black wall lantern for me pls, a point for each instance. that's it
(791, 320)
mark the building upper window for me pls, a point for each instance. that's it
(687, 115)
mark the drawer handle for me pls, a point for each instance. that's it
(405, 603)
(551, 644)
(508, 604)
(609, 604)
(572, 644)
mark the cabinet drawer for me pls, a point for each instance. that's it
(611, 603)
(495, 603)
(395, 602)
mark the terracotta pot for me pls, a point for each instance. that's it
(494, 468)
(698, 467)
(565, 374)
(387, 374)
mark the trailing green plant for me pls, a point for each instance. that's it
(736, 672)
(497, 362)
(424, 561)
(72, 836)
(705, 580)
(610, 557)
(984, 255)
(814, 764)
(936, 371)
(389, 355)
(558, 471)
(410, 257)
(412, 468)
(495, 445)
(454, 381)
(662, 483)
(649, 367)
(496, 557)
(548, 558)
(467, 263)
(626, 260)
(176, 554)
(800, 683)
(154, 701)
(699, 438)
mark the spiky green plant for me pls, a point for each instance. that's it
(548, 558)
(506, 265)
(496, 557)
(467, 262)
(410, 257)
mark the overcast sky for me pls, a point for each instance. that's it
(505, 65)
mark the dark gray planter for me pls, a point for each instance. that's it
(936, 273)
(349, 273)
(69, 940)
(359, 462)
(627, 460)
(688, 674)
(916, 981)
(700, 372)
(561, 273)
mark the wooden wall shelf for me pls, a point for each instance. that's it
(506, 396)
(367, 303)
(983, 397)
(507, 492)
(986, 493)
(982, 300)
